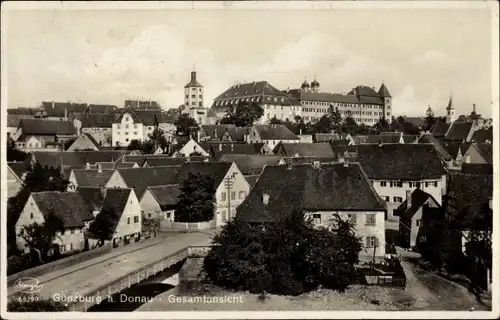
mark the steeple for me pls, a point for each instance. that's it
(315, 85)
(305, 85)
(383, 92)
(450, 111)
(450, 104)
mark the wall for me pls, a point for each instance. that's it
(392, 192)
(13, 183)
(101, 135)
(188, 226)
(190, 101)
(473, 156)
(116, 181)
(147, 130)
(362, 113)
(82, 142)
(240, 188)
(280, 112)
(149, 204)
(126, 131)
(190, 147)
(362, 230)
(418, 216)
(71, 240)
(25, 220)
(132, 209)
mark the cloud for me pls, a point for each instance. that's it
(430, 57)
(406, 102)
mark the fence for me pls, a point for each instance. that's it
(59, 264)
(188, 226)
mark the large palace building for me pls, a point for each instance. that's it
(363, 104)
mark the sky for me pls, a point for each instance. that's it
(106, 56)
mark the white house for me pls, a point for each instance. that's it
(99, 126)
(122, 208)
(70, 211)
(133, 125)
(271, 135)
(321, 192)
(188, 148)
(160, 201)
(85, 141)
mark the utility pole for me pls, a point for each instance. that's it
(228, 183)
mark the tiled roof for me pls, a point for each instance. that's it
(302, 95)
(321, 149)
(383, 92)
(459, 131)
(57, 109)
(331, 187)
(139, 159)
(93, 120)
(215, 131)
(360, 139)
(75, 158)
(193, 83)
(165, 161)
(442, 151)
(129, 111)
(482, 135)
(148, 117)
(250, 164)
(69, 207)
(100, 108)
(114, 204)
(165, 118)
(14, 119)
(327, 137)
(469, 193)
(92, 177)
(398, 161)
(22, 111)
(252, 179)
(452, 149)
(383, 138)
(340, 142)
(440, 129)
(219, 150)
(46, 127)
(238, 133)
(477, 168)
(217, 170)
(92, 197)
(166, 195)
(141, 104)
(141, 178)
(275, 132)
(310, 160)
(486, 151)
(258, 92)
(418, 198)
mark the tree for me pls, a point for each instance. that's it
(38, 178)
(13, 154)
(28, 303)
(196, 201)
(135, 145)
(151, 225)
(275, 120)
(324, 125)
(243, 115)
(429, 121)
(196, 154)
(350, 126)
(335, 118)
(185, 125)
(382, 125)
(103, 227)
(41, 236)
(287, 257)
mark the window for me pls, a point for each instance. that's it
(427, 184)
(62, 248)
(241, 195)
(223, 196)
(118, 126)
(383, 183)
(187, 96)
(70, 246)
(435, 184)
(316, 218)
(199, 103)
(371, 242)
(352, 218)
(136, 219)
(398, 199)
(419, 222)
(193, 103)
(149, 215)
(370, 219)
(193, 96)
(126, 133)
(126, 140)
(135, 126)
(200, 96)
(31, 215)
(128, 220)
(417, 184)
(233, 195)
(126, 126)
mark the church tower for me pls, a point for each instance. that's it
(450, 112)
(315, 85)
(193, 93)
(386, 98)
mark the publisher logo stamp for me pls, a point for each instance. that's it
(28, 285)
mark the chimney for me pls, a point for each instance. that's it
(232, 146)
(300, 131)
(265, 198)
(103, 193)
(474, 108)
(65, 114)
(467, 159)
(316, 164)
(53, 104)
(198, 135)
(99, 168)
(87, 166)
(220, 146)
(408, 199)
(379, 143)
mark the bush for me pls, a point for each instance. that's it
(289, 257)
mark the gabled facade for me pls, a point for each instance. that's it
(126, 128)
(84, 142)
(479, 153)
(14, 182)
(271, 135)
(190, 147)
(160, 201)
